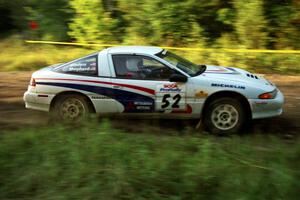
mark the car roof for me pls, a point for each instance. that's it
(135, 49)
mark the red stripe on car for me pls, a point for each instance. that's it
(150, 91)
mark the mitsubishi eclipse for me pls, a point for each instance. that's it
(151, 81)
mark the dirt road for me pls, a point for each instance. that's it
(14, 115)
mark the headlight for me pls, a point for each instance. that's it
(268, 95)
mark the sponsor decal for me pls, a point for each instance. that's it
(201, 94)
(228, 86)
(143, 103)
(143, 108)
(170, 88)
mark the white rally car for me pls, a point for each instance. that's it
(153, 81)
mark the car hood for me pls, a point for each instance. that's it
(235, 74)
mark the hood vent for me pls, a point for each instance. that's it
(252, 76)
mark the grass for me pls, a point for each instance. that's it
(95, 161)
(17, 55)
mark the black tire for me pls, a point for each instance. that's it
(71, 108)
(224, 116)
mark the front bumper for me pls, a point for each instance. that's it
(265, 108)
(37, 101)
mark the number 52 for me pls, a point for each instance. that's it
(166, 102)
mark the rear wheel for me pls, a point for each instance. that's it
(225, 116)
(71, 108)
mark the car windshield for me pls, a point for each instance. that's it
(183, 64)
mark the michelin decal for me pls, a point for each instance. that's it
(228, 86)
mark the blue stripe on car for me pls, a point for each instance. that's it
(126, 98)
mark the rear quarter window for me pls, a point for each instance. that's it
(84, 66)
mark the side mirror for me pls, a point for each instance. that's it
(178, 78)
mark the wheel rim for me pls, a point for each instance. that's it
(225, 117)
(72, 109)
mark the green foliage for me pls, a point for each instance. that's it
(12, 15)
(52, 17)
(172, 21)
(262, 24)
(85, 25)
(98, 162)
(283, 23)
(92, 23)
(250, 23)
(20, 56)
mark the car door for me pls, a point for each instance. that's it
(141, 85)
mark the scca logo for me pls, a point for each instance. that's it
(170, 86)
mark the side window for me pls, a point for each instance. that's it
(84, 66)
(140, 67)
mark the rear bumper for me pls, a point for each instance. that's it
(37, 101)
(267, 108)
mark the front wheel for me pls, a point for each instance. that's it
(71, 108)
(225, 116)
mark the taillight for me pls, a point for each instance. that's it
(32, 82)
(268, 95)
